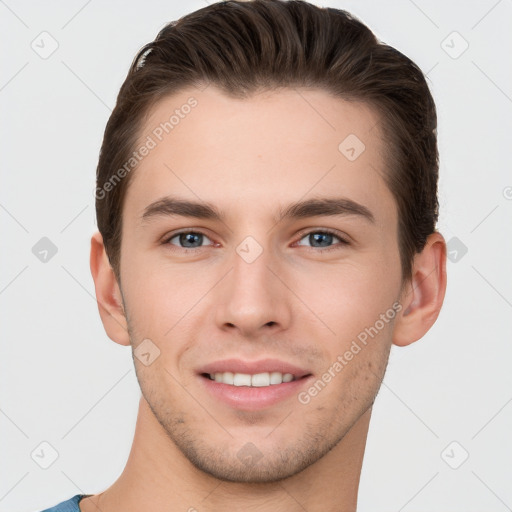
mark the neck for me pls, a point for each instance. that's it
(158, 477)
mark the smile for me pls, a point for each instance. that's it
(255, 380)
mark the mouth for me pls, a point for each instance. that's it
(256, 380)
(252, 386)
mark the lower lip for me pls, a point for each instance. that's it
(249, 398)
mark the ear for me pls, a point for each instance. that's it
(423, 295)
(108, 293)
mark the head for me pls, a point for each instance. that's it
(310, 150)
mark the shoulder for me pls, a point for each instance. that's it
(70, 505)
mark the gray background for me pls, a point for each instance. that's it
(65, 383)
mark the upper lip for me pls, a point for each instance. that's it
(254, 367)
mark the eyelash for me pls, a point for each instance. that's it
(303, 234)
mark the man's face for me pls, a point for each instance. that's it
(250, 287)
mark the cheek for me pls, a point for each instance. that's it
(350, 297)
(162, 297)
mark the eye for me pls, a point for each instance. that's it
(322, 239)
(319, 239)
(187, 239)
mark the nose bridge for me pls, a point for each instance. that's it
(252, 295)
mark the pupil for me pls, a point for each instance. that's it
(187, 238)
(318, 237)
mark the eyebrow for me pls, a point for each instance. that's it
(326, 206)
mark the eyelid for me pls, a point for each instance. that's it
(307, 231)
(344, 239)
(199, 231)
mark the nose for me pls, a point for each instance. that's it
(254, 299)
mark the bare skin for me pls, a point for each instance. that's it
(298, 301)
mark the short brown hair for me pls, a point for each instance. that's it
(246, 46)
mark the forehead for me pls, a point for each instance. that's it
(272, 147)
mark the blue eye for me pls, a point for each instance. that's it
(189, 239)
(323, 240)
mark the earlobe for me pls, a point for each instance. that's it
(423, 296)
(108, 293)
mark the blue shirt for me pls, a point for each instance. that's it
(70, 505)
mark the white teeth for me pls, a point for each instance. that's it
(226, 377)
(256, 380)
(242, 379)
(276, 378)
(260, 379)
